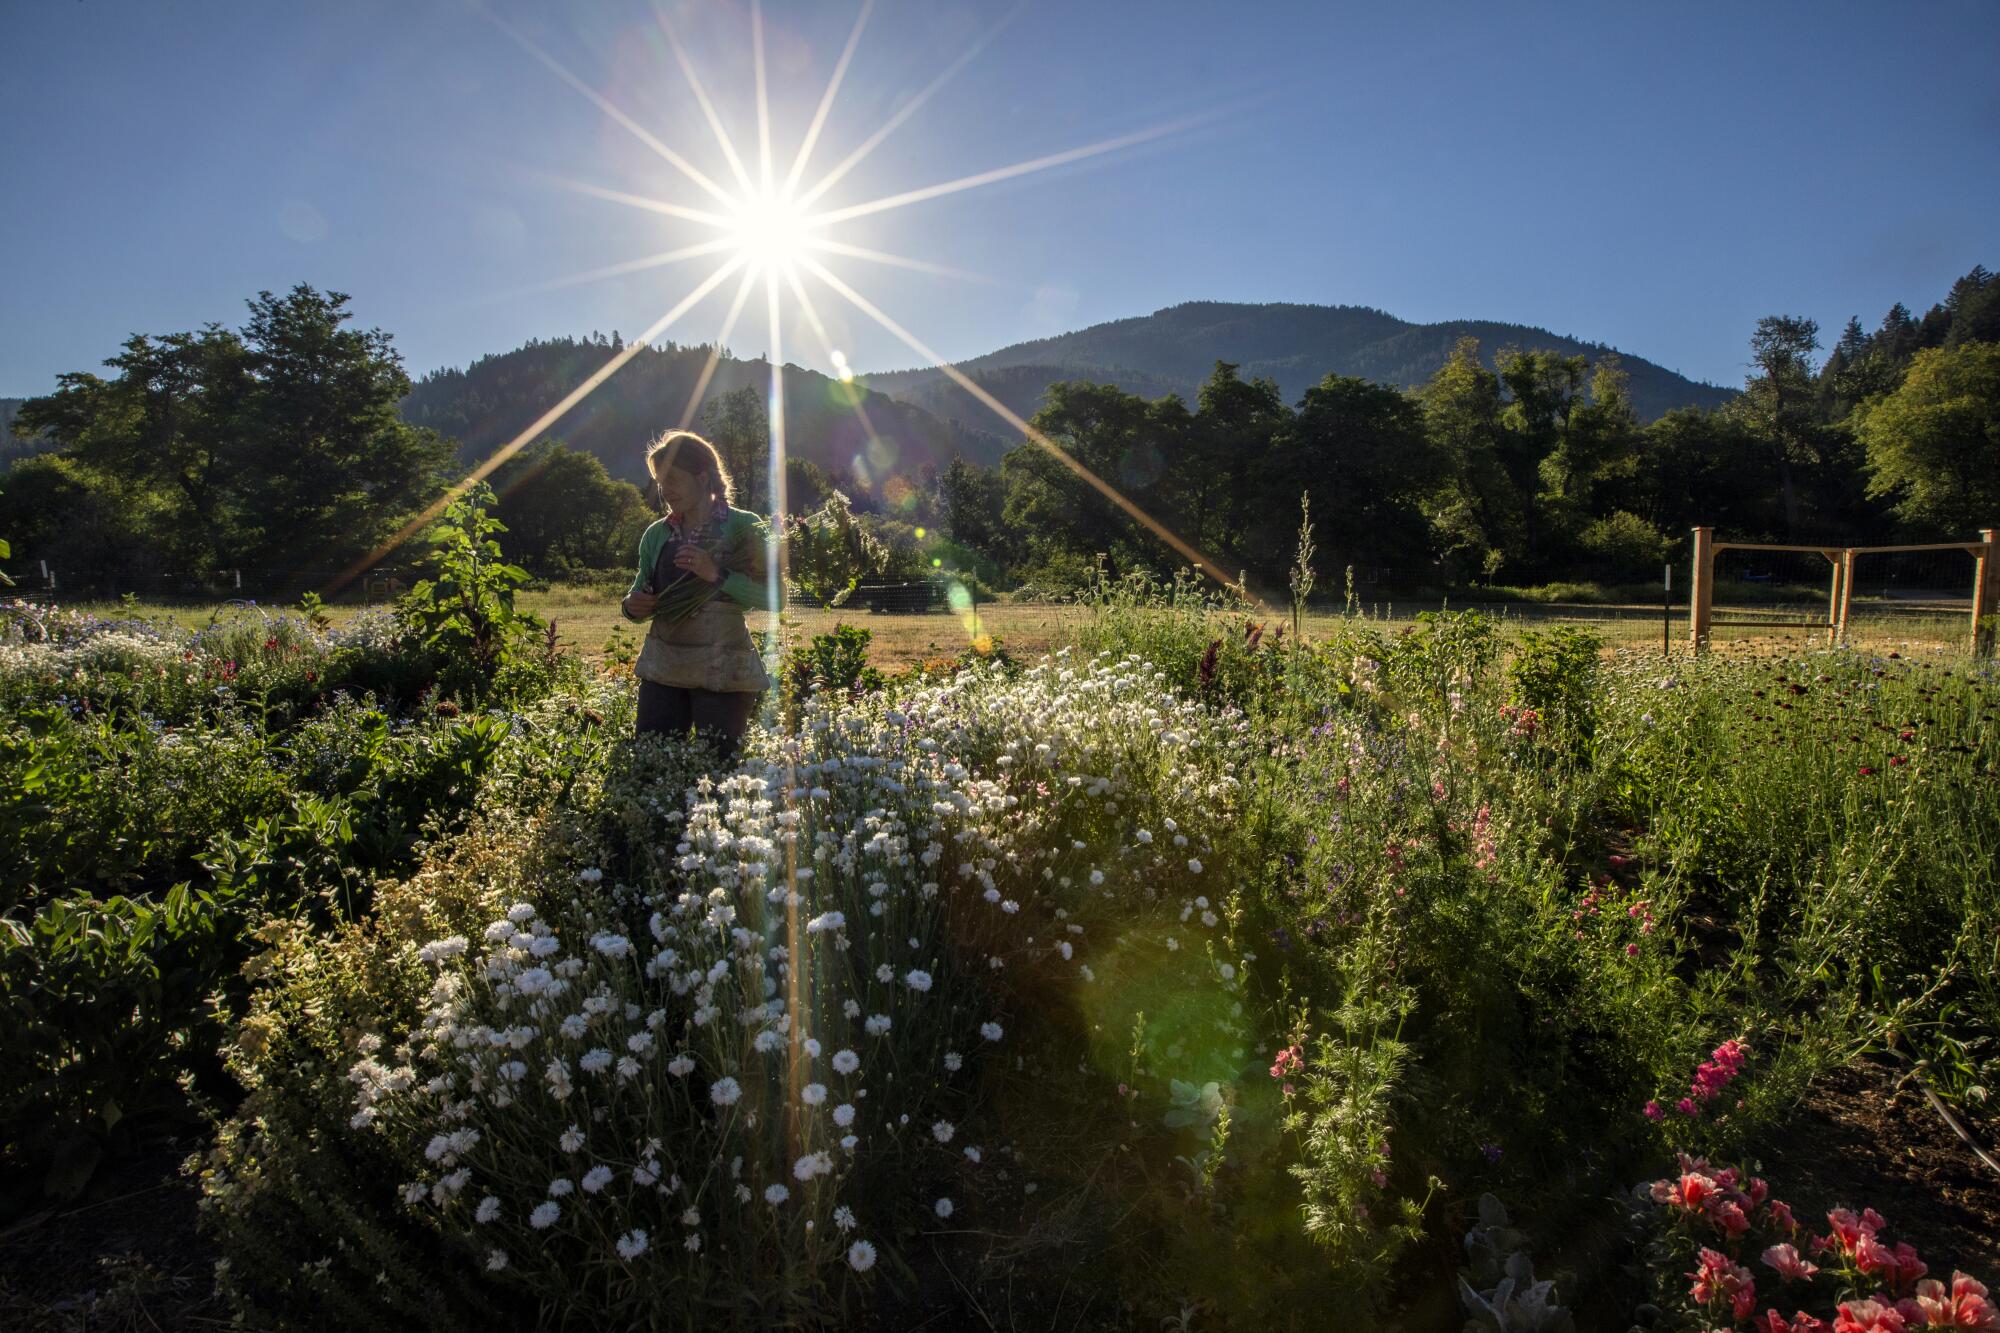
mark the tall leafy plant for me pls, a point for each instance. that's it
(465, 612)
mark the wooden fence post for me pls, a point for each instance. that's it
(1846, 594)
(1985, 592)
(1833, 596)
(1701, 588)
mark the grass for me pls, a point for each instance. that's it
(587, 621)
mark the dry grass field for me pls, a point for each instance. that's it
(587, 621)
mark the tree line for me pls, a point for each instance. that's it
(1535, 470)
(282, 449)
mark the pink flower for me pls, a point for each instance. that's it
(1780, 1216)
(1631, 951)
(1965, 1307)
(1686, 1106)
(1653, 1111)
(1868, 1317)
(1717, 1279)
(1773, 1322)
(1785, 1259)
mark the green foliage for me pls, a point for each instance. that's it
(464, 613)
(829, 551)
(1555, 672)
(1934, 444)
(837, 662)
(1445, 652)
(276, 447)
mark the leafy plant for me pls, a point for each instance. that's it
(465, 612)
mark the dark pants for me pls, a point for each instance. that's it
(722, 717)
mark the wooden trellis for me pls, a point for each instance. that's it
(1985, 555)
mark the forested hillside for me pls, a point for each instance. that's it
(1172, 350)
(487, 403)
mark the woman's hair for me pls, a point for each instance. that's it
(688, 452)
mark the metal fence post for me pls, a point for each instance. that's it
(1985, 592)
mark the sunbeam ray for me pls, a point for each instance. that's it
(811, 312)
(638, 131)
(715, 352)
(896, 261)
(908, 109)
(536, 427)
(1012, 418)
(736, 166)
(627, 266)
(826, 99)
(671, 210)
(763, 98)
(1102, 146)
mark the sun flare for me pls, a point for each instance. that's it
(770, 231)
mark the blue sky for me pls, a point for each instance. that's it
(1654, 177)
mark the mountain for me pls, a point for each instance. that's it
(487, 403)
(1173, 351)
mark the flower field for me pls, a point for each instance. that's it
(1188, 976)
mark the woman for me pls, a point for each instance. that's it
(700, 568)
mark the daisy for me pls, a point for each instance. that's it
(861, 1256)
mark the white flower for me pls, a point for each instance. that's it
(1209, 919)
(632, 1244)
(596, 1179)
(877, 1024)
(610, 945)
(917, 979)
(843, 1114)
(885, 974)
(545, 1215)
(693, 1242)
(543, 945)
(861, 1256)
(942, 1131)
(572, 1139)
(489, 1208)
(496, 1260)
(691, 1217)
(574, 1026)
(1194, 866)
(851, 1007)
(991, 1031)
(776, 1194)
(942, 1208)
(812, 1094)
(843, 1217)
(560, 1186)
(1228, 971)
(520, 913)
(680, 1066)
(812, 1048)
(595, 876)
(724, 1091)
(595, 1061)
(845, 1062)
(953, 1061)
(848, 1141)
(971, 1154)
(825, 921)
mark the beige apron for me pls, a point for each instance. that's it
(710, 650)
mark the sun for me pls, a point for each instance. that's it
(769, 231)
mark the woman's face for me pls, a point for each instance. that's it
(684, 492)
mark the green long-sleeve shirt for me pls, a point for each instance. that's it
(743, 533)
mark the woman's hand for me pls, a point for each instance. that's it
(698, 562)
(639, 605)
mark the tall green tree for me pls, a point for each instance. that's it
(564, 513)
(738, 424)
(1361, 450)
(1779, 398)
(1475, 512)
(336, 465)
(1933, 445)
(1236, 422)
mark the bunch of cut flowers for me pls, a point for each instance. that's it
(682, 593)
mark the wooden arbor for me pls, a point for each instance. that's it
(1985, 555)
